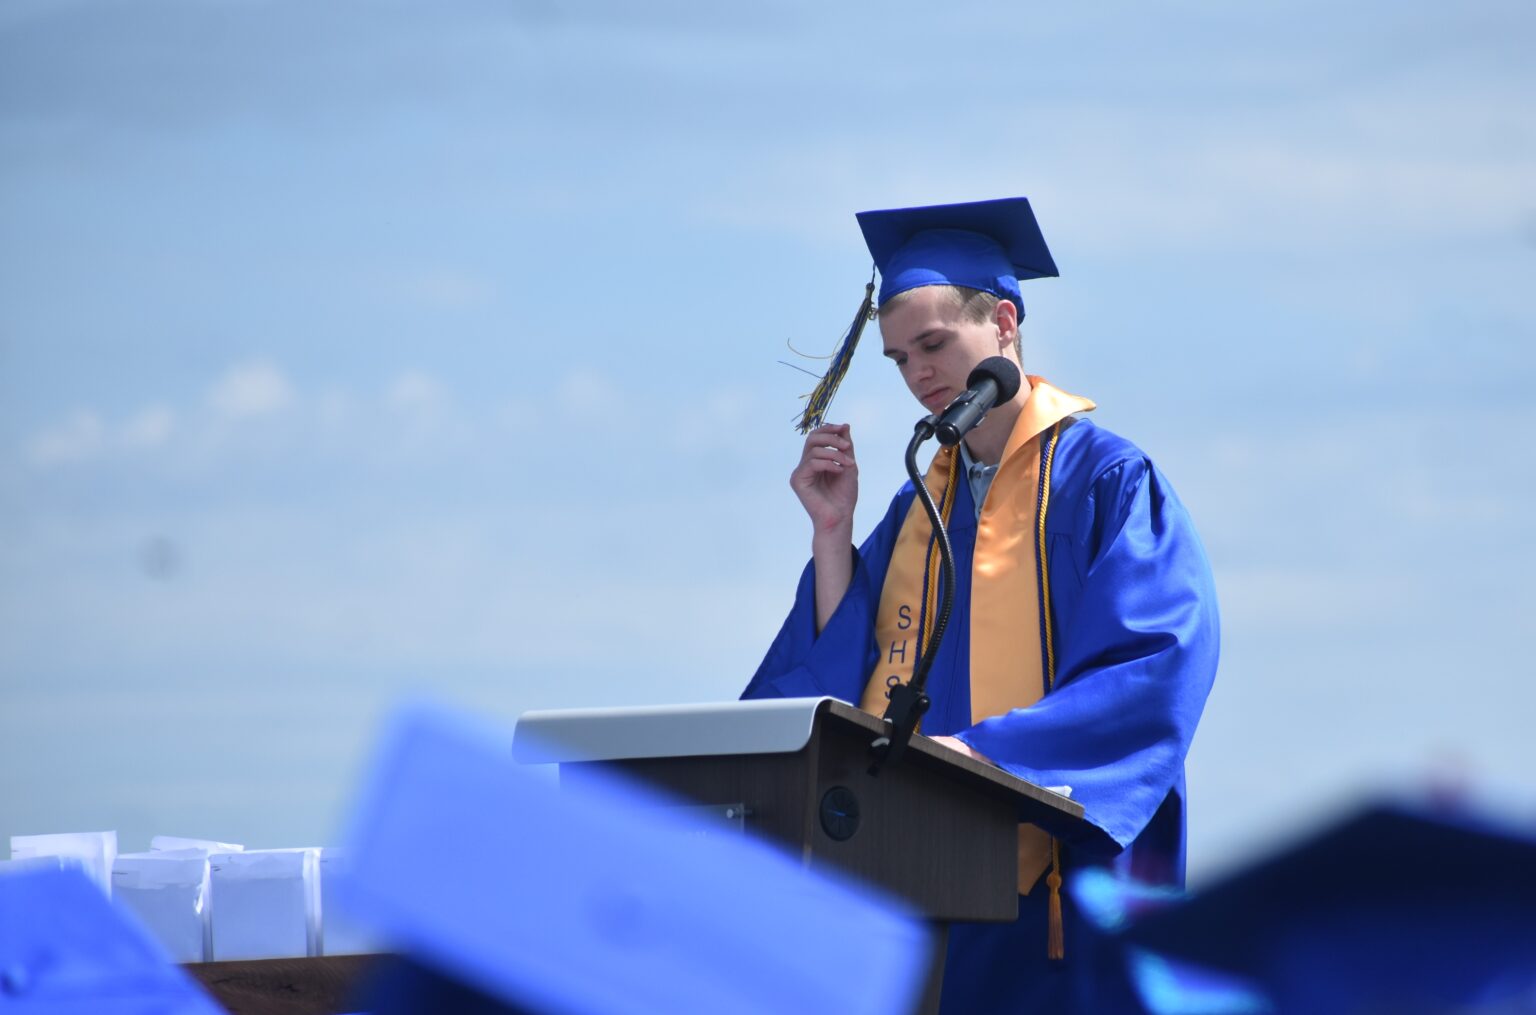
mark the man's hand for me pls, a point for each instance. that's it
(827, 480)
(955, 744)
(827, 483)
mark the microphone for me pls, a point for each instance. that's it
(994, 380)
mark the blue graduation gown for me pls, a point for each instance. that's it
(1136, 635)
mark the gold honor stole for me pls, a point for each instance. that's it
(1010, 606)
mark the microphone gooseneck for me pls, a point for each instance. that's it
(909, 702)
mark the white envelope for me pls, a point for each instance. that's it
(266, 904)
(339, 935)
(41, 863)
(166, 843)
(95, 850)
(168, 892)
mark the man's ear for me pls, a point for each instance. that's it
(1006, 317)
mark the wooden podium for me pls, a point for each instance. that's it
(937, 828)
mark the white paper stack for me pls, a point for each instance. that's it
(266, 904)
(168, 892)
(94, 850)
(338, 934)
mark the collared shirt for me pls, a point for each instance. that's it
(978, 475)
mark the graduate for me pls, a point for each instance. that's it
(1083, 635)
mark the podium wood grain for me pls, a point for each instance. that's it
(936, 828)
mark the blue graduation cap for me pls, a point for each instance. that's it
(1112, 976)
(64, 947)
(1394, 909)
(509, 893)
(985, 245)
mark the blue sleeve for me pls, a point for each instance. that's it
(803, 664)
(1134, 663)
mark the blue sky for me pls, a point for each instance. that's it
(353, 349)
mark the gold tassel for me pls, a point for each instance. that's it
(1056, 948)
(818, 400)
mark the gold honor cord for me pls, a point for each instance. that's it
(1056, 936)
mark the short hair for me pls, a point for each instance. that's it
(976, 306)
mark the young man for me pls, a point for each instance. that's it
(1082, 641)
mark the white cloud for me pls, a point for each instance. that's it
(76, 439)
(587, 393)
(1370, 189)
(421, 421)
(149, 428)
(717, 419)
(254, 388)
(253, 408)
(1320, 598)
(1362, 168)
(415, 392)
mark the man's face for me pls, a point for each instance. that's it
(936, 348)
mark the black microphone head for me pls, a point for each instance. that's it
(1000, 370)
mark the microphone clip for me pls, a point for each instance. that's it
(908, 706)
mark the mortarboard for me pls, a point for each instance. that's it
(1114, 976)
(64, 947)
(1393, 909)
(985, 245)
(506, 892)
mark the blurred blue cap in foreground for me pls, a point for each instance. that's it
(64, 947)
(609, 900)
(1122, 978)
(1396, 908)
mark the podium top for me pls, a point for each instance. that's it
(764, 726)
